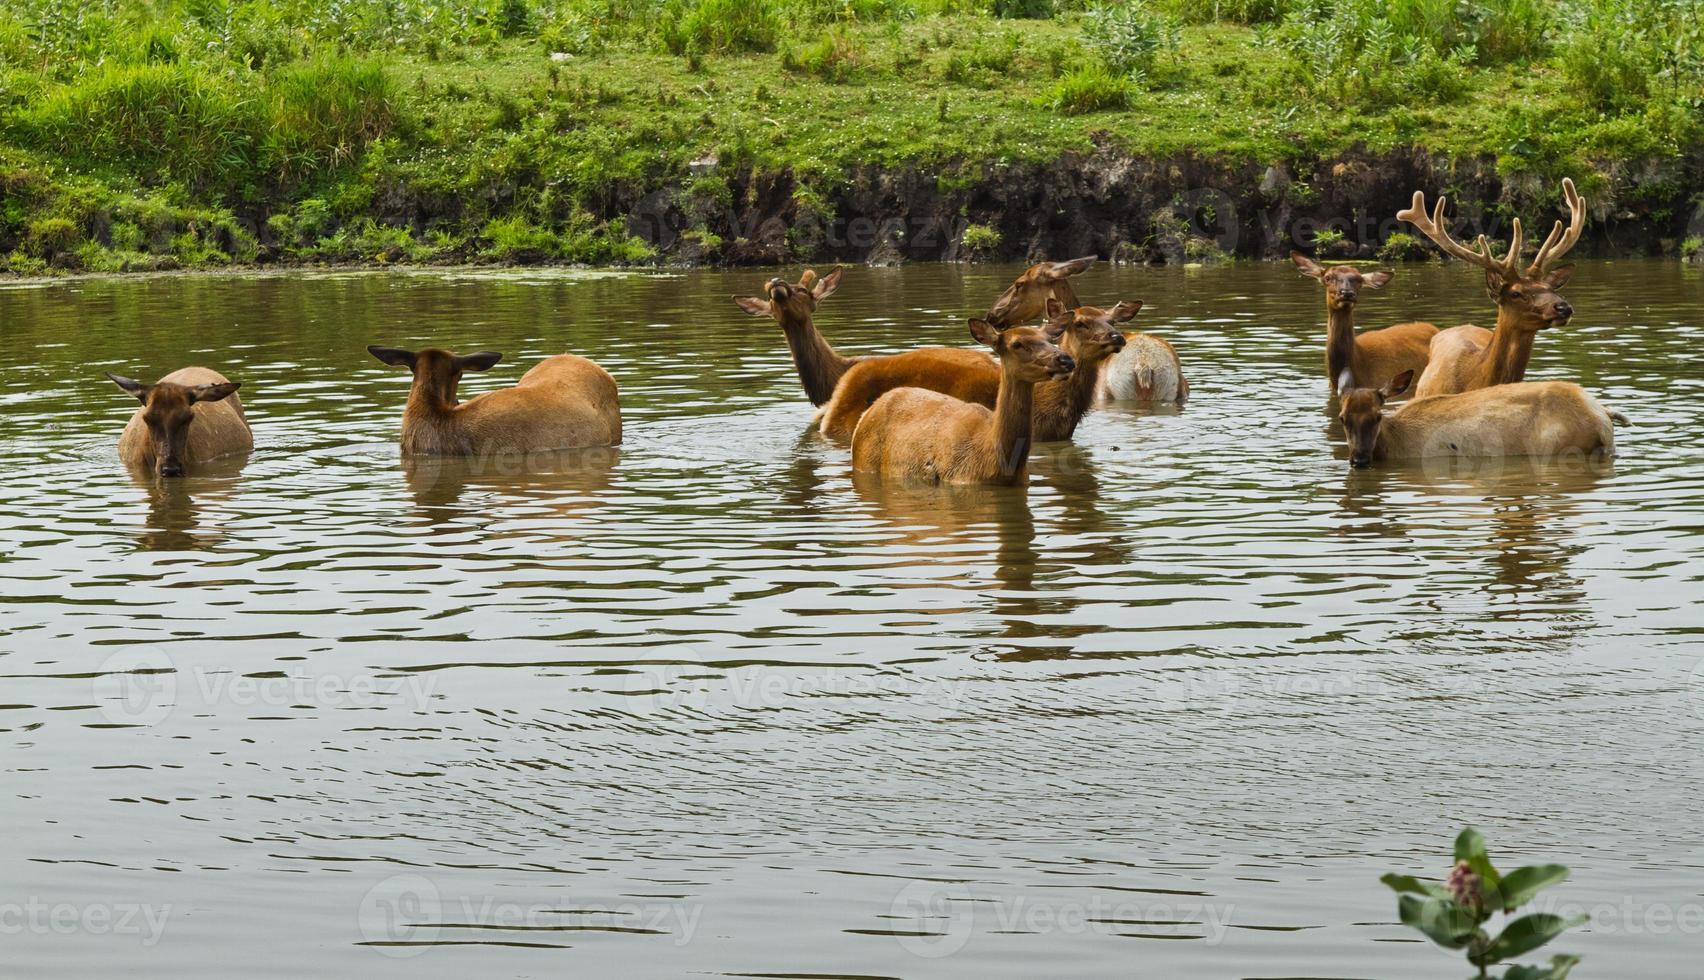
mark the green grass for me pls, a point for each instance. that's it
(206, 131)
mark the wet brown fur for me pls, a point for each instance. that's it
(1372, 357)
(1468, 357)
(563, 402)
(922, 435)
(972, 376)
(1532, 418)
(193, 407)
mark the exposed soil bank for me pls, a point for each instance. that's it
(1117, 205)
(1108, 202)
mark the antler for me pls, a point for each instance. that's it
(1558, 242)
(1436, 228)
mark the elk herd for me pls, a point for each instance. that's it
(970, 416)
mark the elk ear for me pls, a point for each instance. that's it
(1125, 310)
(985, 333)
(826, 286)
(1308, 266)
(1055, 329)
(213, 393)
(1055, 309)
(1377, 280)
(1345, 380)
(1558, 277)
(481, 361)
(754, 305)
(1061, 270)
(1493, 286)
(394, 356)
(1398, 384)
(136, 388)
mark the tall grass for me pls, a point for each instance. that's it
(322, 113)
(165, 120)
(178, 121)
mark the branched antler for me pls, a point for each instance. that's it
(1436, 228)
(1556, 244)
(1559, 242)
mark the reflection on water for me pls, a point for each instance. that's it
(714, 703)
(562, 483)
(183, 512)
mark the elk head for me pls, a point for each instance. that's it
(1343, 283)
(1362, 413)
(791, 302)
(168, 412)
(436, 372)
(1526, 299)
(1029, 354)
(1026, 298)
(1091, 334)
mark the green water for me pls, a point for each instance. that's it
(711, 705)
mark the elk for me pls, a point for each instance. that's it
(189, 416)
(918, 434)
(1468, 357)
(1028, 295)
(1371, 358)
(1528, 418)
(1146, 370)
(820, 367)
(563, 402)
(1087, 333)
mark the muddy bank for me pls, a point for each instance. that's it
(1107, 202)
(1122, 206)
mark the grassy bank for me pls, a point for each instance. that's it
(138, 135)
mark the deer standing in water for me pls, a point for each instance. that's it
(1467, 357)
(563, 402)
(1088, 334)
(845, 387)
(1145, 369)
(917, 434)
(188, 416)
(1530, 418)
(1371, 358)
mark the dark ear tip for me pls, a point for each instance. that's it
(235, 385)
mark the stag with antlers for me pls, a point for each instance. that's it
(1468, 357)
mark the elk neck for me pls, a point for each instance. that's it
(1339, 341)
(820, 366)
(1009, 440)
(431, 396)
(1505, 361)
(1069, 398)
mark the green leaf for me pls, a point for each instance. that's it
(1470, 847)
(1558, 969)
(1520, 885)
(1444, 922)
(1414, 886)
(1526, 934)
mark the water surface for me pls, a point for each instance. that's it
(711, 705)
